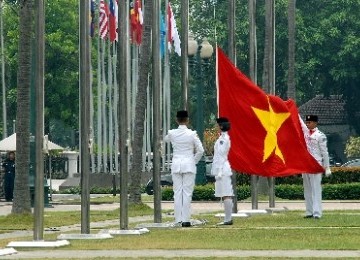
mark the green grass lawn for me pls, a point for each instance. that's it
(337, 230)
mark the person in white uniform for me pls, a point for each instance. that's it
(316, 143)
(222, 171)
(187, 152)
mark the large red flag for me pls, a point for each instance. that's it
(266, 136)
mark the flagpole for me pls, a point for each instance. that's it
(232, 57)
(272, 90)
(104, 107)
(84, 114)
(39, 132)
(123, 87)
(184, 51)
(166, 86)
(156, 71)
(110, 103)
(3, 70)
(253, 76)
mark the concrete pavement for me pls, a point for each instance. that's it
(183, 254)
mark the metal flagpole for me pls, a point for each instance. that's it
(91, 101)
(104, 109)
(156, 108)
(99, 115)
(184, 51)
(271, 180)
(115, 113)
(3, 71)
(110, 127)
(166, 87)
(39, 131)
(84, 114)
(123, 86)
(232, 56)
(253, 76)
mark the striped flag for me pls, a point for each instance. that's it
(103, 19)
(173, 34)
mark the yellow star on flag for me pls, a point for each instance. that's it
(272, 122)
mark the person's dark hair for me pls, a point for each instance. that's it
(182, 120)
(182, 116)
(225, 126)
(223, 123)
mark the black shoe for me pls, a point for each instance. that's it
(308, 216)
(186, 224)
(226, 223)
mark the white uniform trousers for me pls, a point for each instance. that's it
(313, 194)
(183, 187)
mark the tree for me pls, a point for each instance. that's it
(352, 148)
(61, 78)
(21, 202)
(144, 65)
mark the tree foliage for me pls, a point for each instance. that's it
(61, 61)
(327, 53)
(352, 148)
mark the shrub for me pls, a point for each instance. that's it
(349, 191)
(206, 193)
(289, 191)
(243, 192)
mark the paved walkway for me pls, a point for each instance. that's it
(197, 208)
(198, 253)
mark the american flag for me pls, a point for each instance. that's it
(103, 19)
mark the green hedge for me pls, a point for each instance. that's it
(350, 191)
(339, 175)
(206, 193)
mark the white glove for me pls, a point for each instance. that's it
(327, 172)
(219, 175)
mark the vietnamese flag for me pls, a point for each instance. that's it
(266, 135)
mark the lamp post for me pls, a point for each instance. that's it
(202, 52)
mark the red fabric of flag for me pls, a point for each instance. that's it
(136, 21)
(103, 19)
(266, 136)
(113, 20)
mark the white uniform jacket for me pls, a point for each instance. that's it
(316, 144)
(187, 149)
(220, 160)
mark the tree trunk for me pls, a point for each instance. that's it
(144, 65)
(291, 93)
(21, 202)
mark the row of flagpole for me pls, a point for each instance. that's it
(106, 138)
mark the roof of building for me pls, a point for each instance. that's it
(330, 110)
